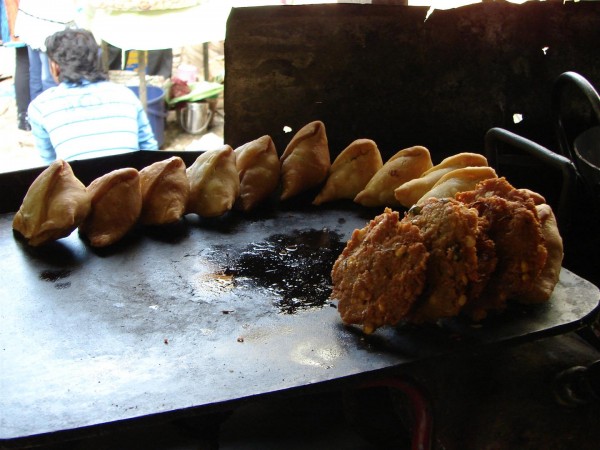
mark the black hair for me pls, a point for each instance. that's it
(77, 54)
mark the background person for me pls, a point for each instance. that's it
(36, 20)
(21, 79)
(85, 115)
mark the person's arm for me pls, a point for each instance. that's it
(146, 139)
(40, 136)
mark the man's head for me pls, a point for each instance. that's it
(74, 56)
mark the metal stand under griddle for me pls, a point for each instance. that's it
(154, 330)
(420, 406)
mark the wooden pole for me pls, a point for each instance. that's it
(105, 50)
(205, 61)
(142, 56)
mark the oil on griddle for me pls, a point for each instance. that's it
(295, 267)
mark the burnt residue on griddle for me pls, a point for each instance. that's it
(57, 277)
(62, 285)
(54, 275)
(296, 267)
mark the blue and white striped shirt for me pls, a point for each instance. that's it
(72, 121)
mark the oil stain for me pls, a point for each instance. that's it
(295, 267)
(54, 275)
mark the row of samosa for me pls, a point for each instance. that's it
(219, 180)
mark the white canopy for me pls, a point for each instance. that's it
(154, 30)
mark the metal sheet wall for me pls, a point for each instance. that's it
(384, 72)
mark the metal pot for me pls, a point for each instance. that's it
(194, 117)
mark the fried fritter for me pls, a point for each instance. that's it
(458, 180)
(519, 242)
(446, 257)
(450, 232)
(486, 260)
(380, 273)
(544, 284)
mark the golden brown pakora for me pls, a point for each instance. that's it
(380, 273)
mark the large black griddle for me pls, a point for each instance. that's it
(166, 324)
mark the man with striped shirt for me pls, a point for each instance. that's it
(85, 115)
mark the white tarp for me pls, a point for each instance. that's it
(154, 30)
